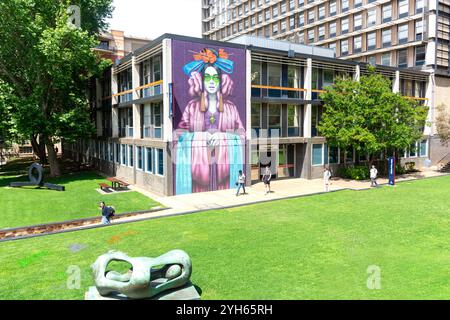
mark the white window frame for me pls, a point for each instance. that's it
(156, 163)
(312, 155)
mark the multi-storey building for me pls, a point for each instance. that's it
(183, 115)
(399, 33)
(114, 44)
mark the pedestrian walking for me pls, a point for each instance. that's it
(267, 176)
(240, 182)
(326, 179)
(373, 176)
(107, 213)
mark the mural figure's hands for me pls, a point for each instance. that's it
(227, 85)
(214, 140)
(195, 84)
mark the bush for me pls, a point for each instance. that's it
(355, 173)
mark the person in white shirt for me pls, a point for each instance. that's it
(240, 182)
(373, 177)
(326, 179)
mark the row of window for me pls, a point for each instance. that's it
(318, 13)
(151, 121)
(322, 154)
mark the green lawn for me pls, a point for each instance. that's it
(30, 205)
(316, 247)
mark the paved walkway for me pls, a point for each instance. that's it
(256, 193)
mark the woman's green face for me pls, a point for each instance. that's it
(211, 80)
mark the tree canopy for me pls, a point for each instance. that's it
(45, 65)
(368, 116)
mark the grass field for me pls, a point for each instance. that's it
(30, 205)
(316, 247)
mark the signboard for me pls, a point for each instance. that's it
(391, 165)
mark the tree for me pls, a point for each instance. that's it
(369, 117)
(443, 123)
(45, 64)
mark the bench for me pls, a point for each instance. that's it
(104, 186)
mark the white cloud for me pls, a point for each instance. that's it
(152, 18)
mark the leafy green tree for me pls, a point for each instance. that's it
(369, 117)
(45, 65)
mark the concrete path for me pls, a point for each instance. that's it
(281, 189)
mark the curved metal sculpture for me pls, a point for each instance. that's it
(36, 177)
(147, 278)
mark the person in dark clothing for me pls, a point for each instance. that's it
(107, 213)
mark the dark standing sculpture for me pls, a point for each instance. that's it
(36, 177)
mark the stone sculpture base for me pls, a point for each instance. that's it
(187, 292)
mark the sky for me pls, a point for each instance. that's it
(152, 18)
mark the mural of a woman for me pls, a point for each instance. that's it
(210, 138)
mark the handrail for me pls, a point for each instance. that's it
(122, 93)
(278, 88)
(148, 85)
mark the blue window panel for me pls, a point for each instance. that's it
(317, 154)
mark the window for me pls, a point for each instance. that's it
(274, 28)
(256, 117)
(386, 59)
(402, 58)
(291, 5)
(419, 29)
(321, 32)
(344, 47)
(301, 19)
(344, 5)
(332, 8)
(283, 25)
(274, 75)
(111, 152)
(274, 118)
(387, 13)
(420, 55)
(311, 35)
(357, 22)
(357, 44)
(157, 69)
(311, 16)
(419, 6)
(423, 149)
(403, 33)
(139, 158)
(301, 3)
(332, 29)
(117, 148)
(160, 161)
(371, 60)
(344, 26)
(293, 81)
(371, 40)
(327, 78)
(386, 37)
(371, 17)
(332, 46)
(321, 11)
(130, 156)
(283, 8)
(413, 150)
(292, 23)
(333, 155)
(357, 3)
(275, 11)
(293, 120)
(317, 154)
(267, 15)
(403, 8)
(149, 160)
(124, 155)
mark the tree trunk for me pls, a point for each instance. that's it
(39, 148)
(55, 170)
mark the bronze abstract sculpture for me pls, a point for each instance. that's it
(147, 278)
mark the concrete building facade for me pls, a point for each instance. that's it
(183, 115)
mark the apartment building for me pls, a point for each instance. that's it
(398, 33)
(114, 44)
(183, 115)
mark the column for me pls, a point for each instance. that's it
(396, 83)
(308, 87)
(357, 75)
(114, 111)
(167, 78)
(135, 71)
